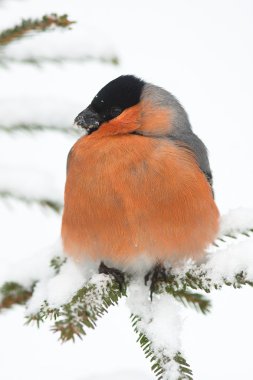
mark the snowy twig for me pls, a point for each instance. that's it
(40, 61)
(88, 304)
(235, 223)
(12, 293)
(57, 262)
(206, 276)
(32, 128)
(26, 26)
(158, 364)
(186, 297)
(48, 203)
(158, 323)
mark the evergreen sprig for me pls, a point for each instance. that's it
(57, 262)
(231, 234)
(87, 305)
(29, 25)
(159, 361)
(227, 236)
(33, 128)
(183, 367)
(43, 202)
(92, 301)
(40, 61)
(197, 300)
(198, 277)
(12, 293)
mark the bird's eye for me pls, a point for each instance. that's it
(115, 111)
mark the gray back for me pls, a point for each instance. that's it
(181, 131)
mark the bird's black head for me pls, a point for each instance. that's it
(118, 95)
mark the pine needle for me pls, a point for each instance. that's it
(158, 365)
(58, 60)
(12, 293)
(37, 25)
(33, 128)
(89, 304)
(43, 202)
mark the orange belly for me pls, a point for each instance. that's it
(129, 195)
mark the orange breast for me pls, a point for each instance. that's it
(128, 195)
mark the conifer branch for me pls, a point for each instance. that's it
(234, 235)
(37, 25)
(161, 364)
(187, 298)
(92, 301)
(12, 293)
(199, 278)
(183, 286)
(59, 60)
(43, 202)
(33, 128)
(57, 262)
(183, 367)
(88, 304)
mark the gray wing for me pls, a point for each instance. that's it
(180, 129)
(69, 159)
(199, 149)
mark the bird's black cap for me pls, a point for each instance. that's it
(119, 94)
(116, 96)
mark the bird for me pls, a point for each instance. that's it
(138, 183)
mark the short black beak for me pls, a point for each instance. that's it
(88, 119)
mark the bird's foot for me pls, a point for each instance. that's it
(156, 275)
(116, 273)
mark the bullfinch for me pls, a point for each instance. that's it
(138, 183)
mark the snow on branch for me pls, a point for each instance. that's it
(158, 325)
(29, 25)
(74, 297)
(12, 293)
(39, 61)
(232, 266)
(32, 128)
(43, 202)
(236, 221)
(88, 304)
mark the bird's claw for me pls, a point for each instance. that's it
(156, 275)
(116, 273)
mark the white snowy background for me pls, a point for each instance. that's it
(202, 52)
